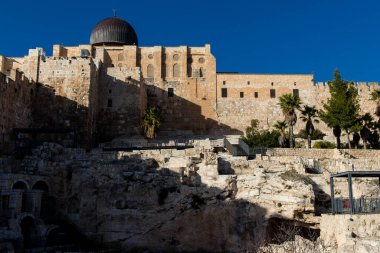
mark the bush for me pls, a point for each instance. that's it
(294, 176)
(324, 144)
(261, 138)
(317, 134)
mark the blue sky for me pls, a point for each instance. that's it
(247, 36)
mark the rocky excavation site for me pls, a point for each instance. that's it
(191, 199)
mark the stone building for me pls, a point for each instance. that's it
(100, 91)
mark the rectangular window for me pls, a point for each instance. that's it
(296, 92)
(256, 94)
(224, 82)
(241, 94)
(224, 92)
(170, 92)
(109, 103)
(272, 93)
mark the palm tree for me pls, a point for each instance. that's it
(151, 121)
(365, 132)
(281, 126)
(309, 114)
(289, 104)
(375, 95)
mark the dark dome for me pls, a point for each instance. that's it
(113, 31)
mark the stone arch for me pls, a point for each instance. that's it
(30, 233)
(20, 185)
(176, 70)
(46, 204)
(150, 71)
(57, 236)
(41, 185)
(66, 234)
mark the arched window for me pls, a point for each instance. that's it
(47, 203)
(150, 71)
(176, 70)
(201, 72)
(22, 187)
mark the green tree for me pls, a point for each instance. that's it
(289, 104)
(341, 111)
(308, 115)
(151, 121)
(281, 127)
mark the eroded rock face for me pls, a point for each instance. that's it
(170, 203)
(170, 200)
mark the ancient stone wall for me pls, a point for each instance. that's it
(351, 233)
(122, 101)
(183, 86)
(250, 96)
(66, 95)
(182, 81)
(16, 94)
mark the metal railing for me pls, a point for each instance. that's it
(360, 205)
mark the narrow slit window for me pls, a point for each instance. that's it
(224, 92)
(272, 93)
(296, 92)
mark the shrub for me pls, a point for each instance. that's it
(324, 144)
(261, 138)
(294, 176)
(317, 134)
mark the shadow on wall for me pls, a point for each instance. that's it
(121, 104)
(115, 110)
(140, 207)
(55, 116)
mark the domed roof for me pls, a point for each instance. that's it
(113, 31)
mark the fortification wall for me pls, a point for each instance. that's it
(122, 101)
(182, 81)
(16, 94)
(248, 97)
(66, 95)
